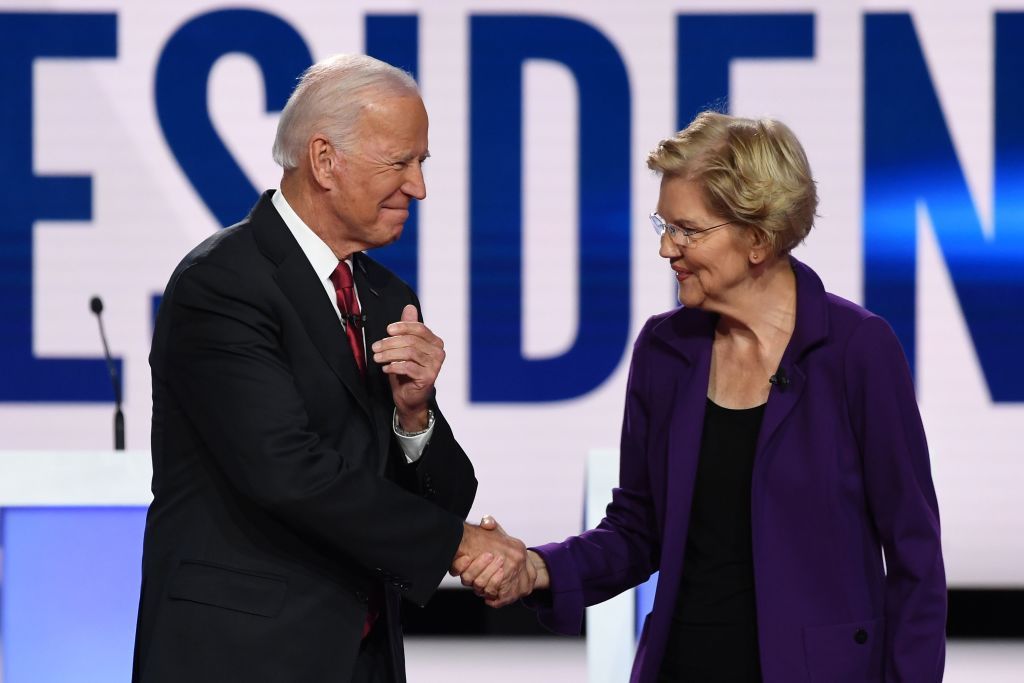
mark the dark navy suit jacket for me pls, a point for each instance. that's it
(281, 500)
(841, 475)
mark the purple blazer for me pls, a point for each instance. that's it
(841, 474)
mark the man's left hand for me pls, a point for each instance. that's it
(411, 358)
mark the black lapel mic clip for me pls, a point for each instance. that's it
(779, 379)
(353, 319)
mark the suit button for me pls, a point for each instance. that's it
(861, 636)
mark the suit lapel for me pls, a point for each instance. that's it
(299, 283)
(378, 312)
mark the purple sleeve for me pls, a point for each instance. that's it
(623, 550)
(901, 498)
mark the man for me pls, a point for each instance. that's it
(304, 479)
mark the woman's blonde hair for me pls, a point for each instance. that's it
(752, 172)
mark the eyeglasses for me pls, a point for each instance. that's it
(684, 237)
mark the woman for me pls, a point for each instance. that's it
(771, 450)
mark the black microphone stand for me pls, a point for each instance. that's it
(96, 305)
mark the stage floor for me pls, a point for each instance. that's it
(512, 660)
(438, 660)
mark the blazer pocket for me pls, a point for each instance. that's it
(846, 653)
(229, 588)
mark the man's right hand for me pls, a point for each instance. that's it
(497, 566)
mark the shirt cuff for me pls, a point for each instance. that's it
(413, 443)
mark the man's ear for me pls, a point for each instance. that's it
(323, 161)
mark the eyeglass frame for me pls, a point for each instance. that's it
(661, 226)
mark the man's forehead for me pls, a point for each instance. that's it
(395, 118)
(393, 108)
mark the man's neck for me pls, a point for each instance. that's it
(303, 200)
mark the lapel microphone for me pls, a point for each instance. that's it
(353, 319)
(779, 379)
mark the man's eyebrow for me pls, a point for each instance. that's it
(409, 157)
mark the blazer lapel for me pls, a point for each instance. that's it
(688, 402)
(810, 330)
(299, 283)
(781, 401)
(685, 430)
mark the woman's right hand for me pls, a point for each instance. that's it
(543, 581)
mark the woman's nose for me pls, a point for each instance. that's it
(668, 247)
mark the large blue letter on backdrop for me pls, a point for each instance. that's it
(181, 83)
(394, 38)
(910, 161)
(27, 198)
(707, 44)
(500, 45)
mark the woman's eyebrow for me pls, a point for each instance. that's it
(679, 221)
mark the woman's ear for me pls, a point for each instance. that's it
(759, 248)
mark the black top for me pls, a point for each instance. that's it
(713, 638)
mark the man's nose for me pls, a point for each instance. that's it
(415, 186)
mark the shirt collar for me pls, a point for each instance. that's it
(316, 250)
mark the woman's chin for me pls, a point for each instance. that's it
(688, 298)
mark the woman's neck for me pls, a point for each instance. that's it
(764, 309)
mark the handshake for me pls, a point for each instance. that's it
(497, 566)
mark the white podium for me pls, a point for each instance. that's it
(75, 478)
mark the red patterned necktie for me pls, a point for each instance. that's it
(344, 289)
(349, 307)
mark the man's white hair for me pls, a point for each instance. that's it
(330, 97)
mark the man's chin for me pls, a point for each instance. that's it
(389, 235)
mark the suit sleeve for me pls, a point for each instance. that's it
(624, 549)
(443, 473)
(901, 499)
(222, 361)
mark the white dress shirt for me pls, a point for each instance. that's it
(324, 262)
